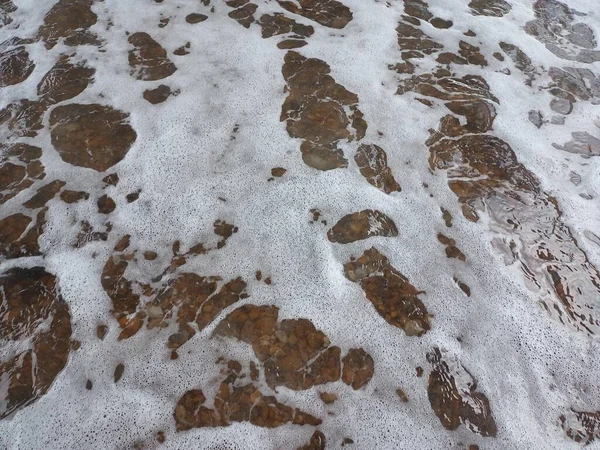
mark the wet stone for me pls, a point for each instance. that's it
(454, 398)
(158, 95)
(19, 234)
(35, 315)
(236, 401)
(190, 300)
(20, 167)
(7, 7)
(536, 118)
(581, 426)
(293, 352)
(244, 15)
(148, 60)
(112, 179)
(521, 61)
(471, 54)
(101, 331)
(64, 81)
(195, 18)
(315, 110)
(92, 136)
(89, 385)
(23, 117)
(119, 370)
(278, 171)
(317, 442)
(69, 19)
(583, 144)
(390, 292)
(183, 50)
(493, 8)
(463, 287)
(372, 162)
(329, 13)
(44, 195)
(69, 196)
(400, 393)
(556, 27)
(452, 251)
(15, 66)
(561, 106)
(357, 368)
(291, 44)
(328, 398)
(447, 217)
(362, 225)
(276, 24)
(557, 120)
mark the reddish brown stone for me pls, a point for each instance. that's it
(20, 166)
(15, 66)
(18, 238)
(329, 13)
(317, 442)
(92, 136)
(68, 196)
(315, 112)
(452, 251)
(278, 171)
(372, 162)
(453, 395)
(244, 15)
(69, 19)
(44, 195)
(581, 426)
(358, 368)
(23, 117)
(148, 60)
(392, 295)
(158, 95)
(493, 8)
(33, 312)
(236, 402)
(276, 24)
(106, 205)
(362, 225)
(294, 353)
(195, 18)
(64, 81)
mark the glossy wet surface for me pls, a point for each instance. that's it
(300, 224)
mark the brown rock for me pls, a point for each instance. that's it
(244, 15)
(195, 18)
(276, 24)
(402, 395)
(44, 195)
(392, 295)
(158, 95)
(64, 81)
(68, 196)
(452, 251)
(119, 370)
(294, 353)
(148, 60)
(101, 331)
(289, 44)
(20, 166)
(358, 368)
(69, 19)
(329, 13)
(315, 111)
(453, 395)
(15, 66)
(278, 171)
(372, 162)
(328, 398)
(581, 426)
(92, 136)
(18, 237)
(33, 312)
(23, 117)
(317, 442)
(362, 225)
(236, 402)
(493, 8)
(106, 205)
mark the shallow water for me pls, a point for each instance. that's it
(299, 224)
